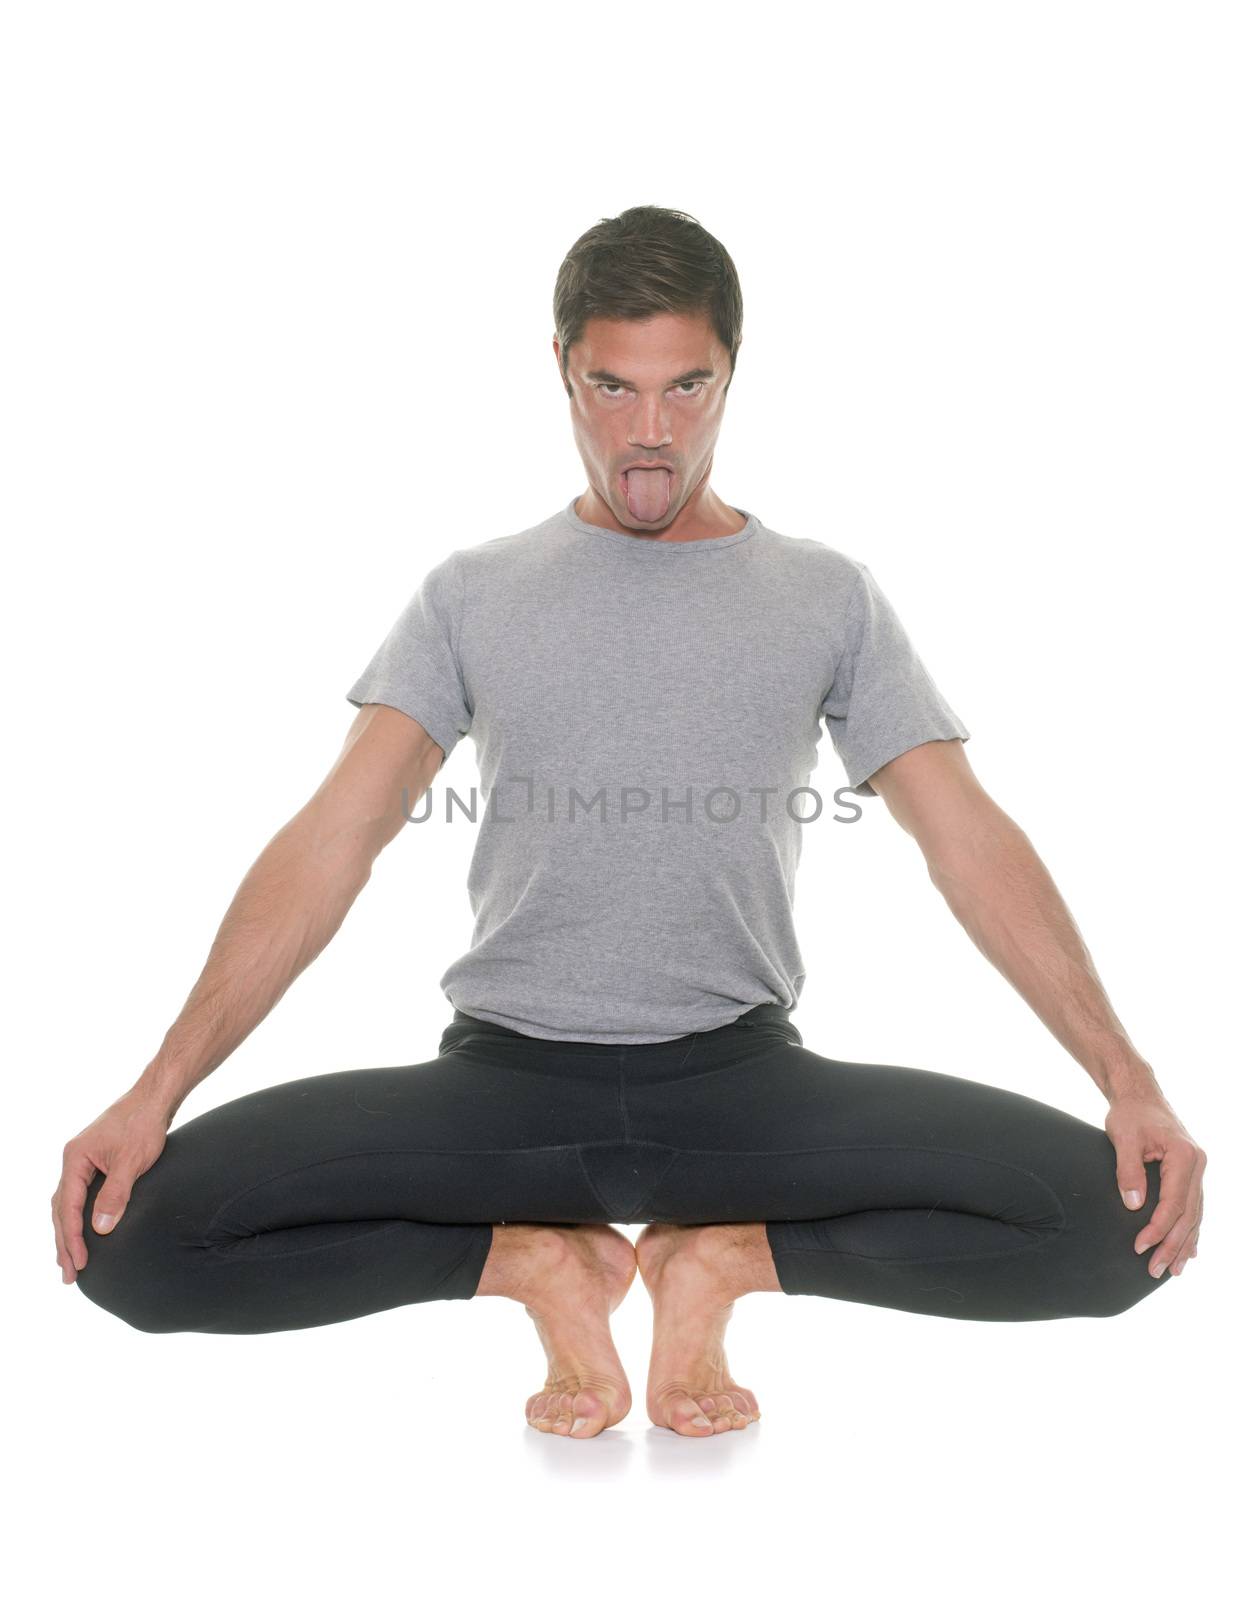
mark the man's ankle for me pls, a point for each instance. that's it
(755, 1264)
(511, 1258)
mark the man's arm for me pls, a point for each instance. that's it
(1000, 891)
(290, 904)
(997, 886)
(295, 896)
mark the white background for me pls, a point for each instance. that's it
(276, 330)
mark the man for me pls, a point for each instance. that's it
(644, 673)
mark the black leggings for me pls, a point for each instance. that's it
(351, 1192)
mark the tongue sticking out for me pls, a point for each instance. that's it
(648, 492)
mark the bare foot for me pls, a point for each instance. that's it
(569, 1279)
(694, 1274)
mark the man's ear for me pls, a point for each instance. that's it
(557, 351)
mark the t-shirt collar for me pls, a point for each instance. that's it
(634, 543)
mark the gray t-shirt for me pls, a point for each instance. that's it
(642, 714)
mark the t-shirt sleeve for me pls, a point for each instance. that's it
(416, 668)
(882, 701)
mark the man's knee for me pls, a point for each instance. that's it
(1121, 1278)
(133, 1273)
(1122, 1293)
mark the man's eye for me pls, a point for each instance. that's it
(690, 385)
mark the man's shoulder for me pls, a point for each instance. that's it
(509, 549)
(447, 579)
(814, 560)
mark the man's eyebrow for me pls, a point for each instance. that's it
(600, 375)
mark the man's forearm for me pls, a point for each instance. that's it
(291, 902)
(1000, 891)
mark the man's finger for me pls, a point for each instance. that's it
(1170, 1249)
(1192, 1220)
(1174, 1186)
(1130, 1174)
(63, 1257)
(1188, 1249)
(72, 1193)
(1180, 1193)
(112, 1199)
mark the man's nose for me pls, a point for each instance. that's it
(650, 428)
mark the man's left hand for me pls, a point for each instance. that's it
(1145, 1128)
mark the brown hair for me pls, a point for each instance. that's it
(646, 260)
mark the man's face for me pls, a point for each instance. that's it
(647, 392)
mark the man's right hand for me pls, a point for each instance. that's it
(123, 1144)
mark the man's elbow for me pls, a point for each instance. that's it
(340, 847)
(964, 855)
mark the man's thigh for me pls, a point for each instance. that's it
(780, 1131)
(459, 1138)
